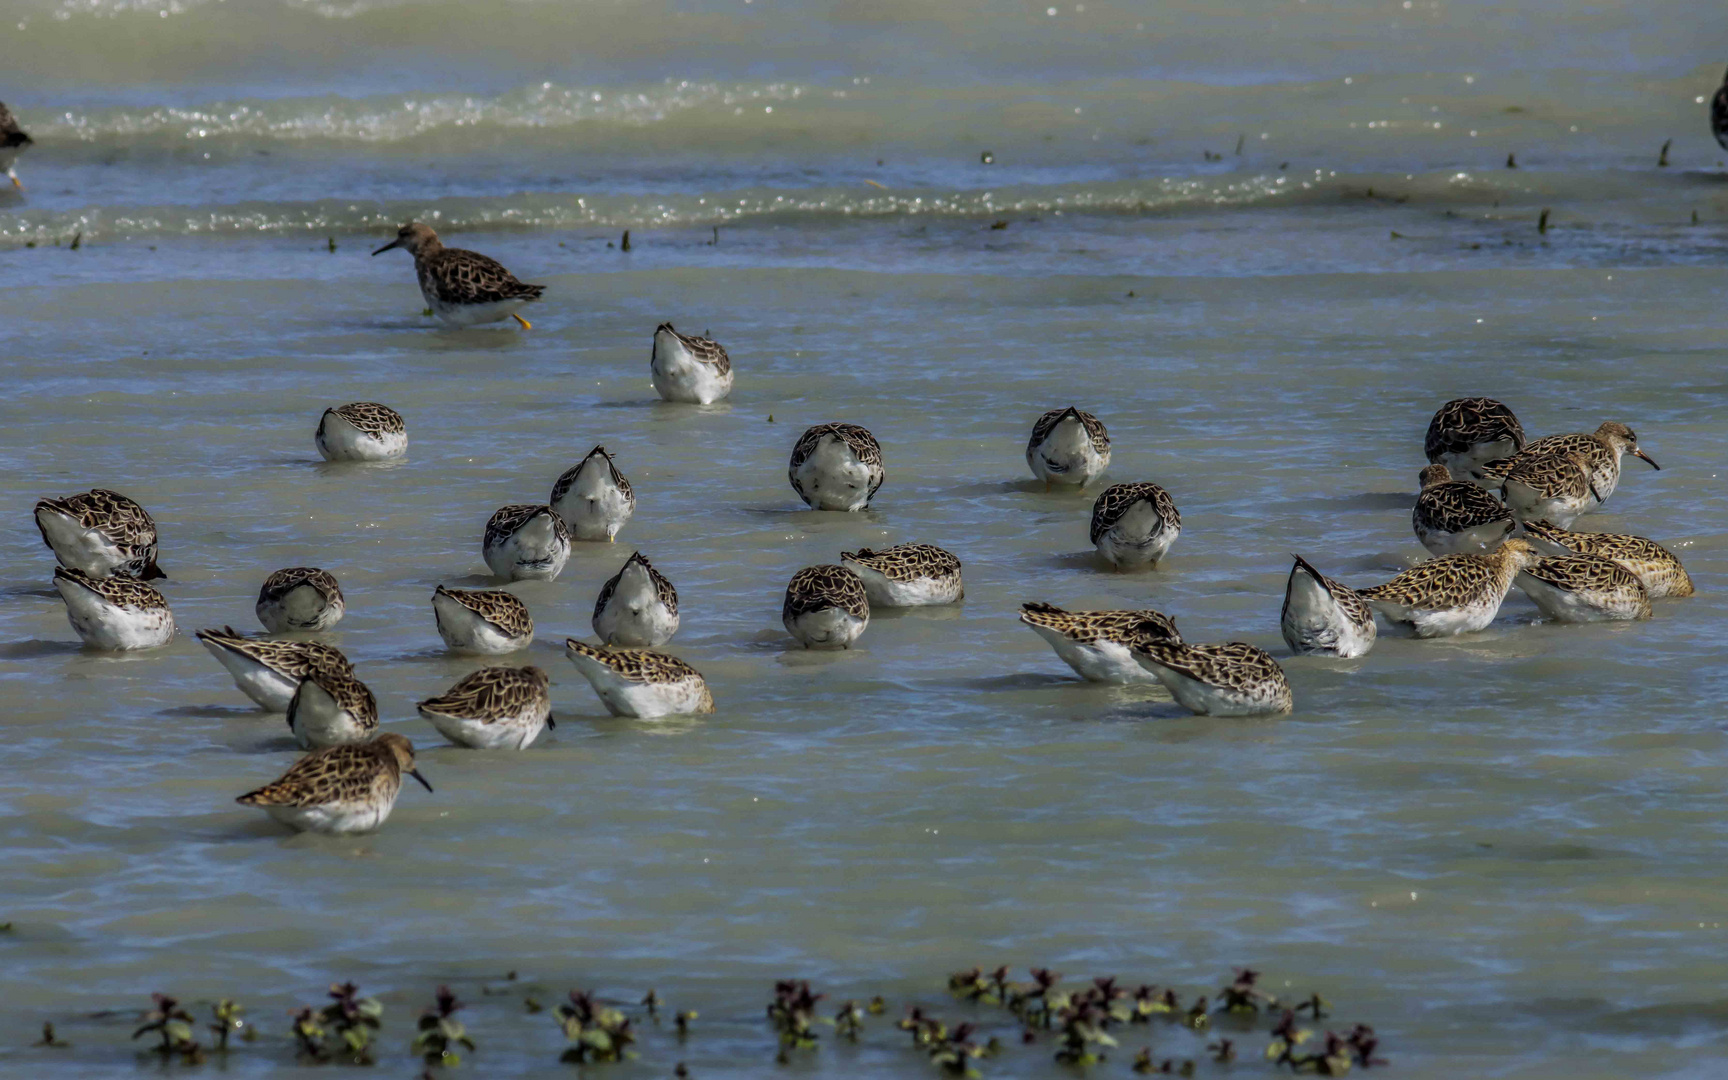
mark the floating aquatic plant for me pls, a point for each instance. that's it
(49, 1040)
(793, 1014)
(226, 1021)
(345, 1025)
(174, 1026)
(1242, 997)
(440, 1032)
(849, 1021)
(681, 1021)
(597, 1032)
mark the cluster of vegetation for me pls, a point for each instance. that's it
(1077, 1025)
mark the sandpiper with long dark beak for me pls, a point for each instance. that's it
(1601, 450)
(463, 288)
(341, 789)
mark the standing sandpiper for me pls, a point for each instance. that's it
(1099, 645)
(526, 540)
(361, 431)
(340, 789)
(1068, 446)
(689, 369)
(1455, 515)
(1468, 432)
(1601, 450)
(1322, 617)
(826, 607)
(269, 672)
(1232, 679)
(1655, 566)
(484, 621)
(1454, 594)
(593, 498)
(300, 598)
(836, 467)
(637, 607)
(1133, 525)
(907, 575)
(463, 288)
(495, 708)
(114, 613)
(13, 141)
(102, 533)
(637, 682)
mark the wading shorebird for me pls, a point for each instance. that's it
(463, 288)
(300, 598)
(1454, 515)
(13, 141)
(1068, 446)
(102, 533)
(1232, 679)
(1601, 450)
(340, 789)
(1322, 617)
(1467, 432)
(1099, 645)
(1454, 594)
(907, 575)
(1656, 567)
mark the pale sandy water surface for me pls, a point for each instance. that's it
(1503, 851)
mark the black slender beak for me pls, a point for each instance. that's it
(152, 572)
(396, 243)
(1648, 460)
(551, 723)
(415, 773)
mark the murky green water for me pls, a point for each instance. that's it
(1504, 851)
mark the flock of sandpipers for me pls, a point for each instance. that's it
(106, 545)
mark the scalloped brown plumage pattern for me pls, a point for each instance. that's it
(1447, 581)
(294, 659)
(704, 349)
(508, 520)
(907, 562)
(1467, 422)
(1047, 423)
(11, 135)
(862, 444)
(371, 417)
(1583, 573)
(1719, 115)
(567, 479)
(119, 591)
(637, 665)
(457, 276)
(1117, 499)
(352, 772)
(283, 582)
(126, 524)
(1349, 601)
(1234, 665)
(492, 694)
(502, 609)
(339, 681)
(1453, 506)
(1653, 564)
(817, 588)
(663, 589)
(1551, 475)
(1129, 628)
